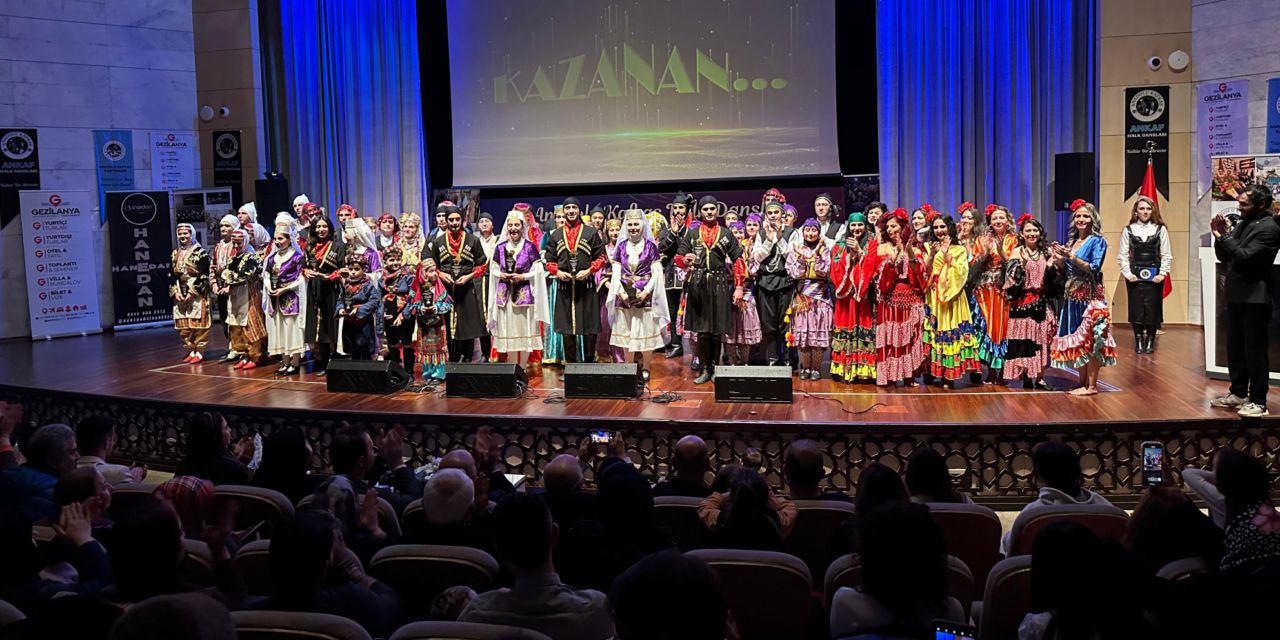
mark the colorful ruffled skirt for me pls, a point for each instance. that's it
(950, 341)
(1084, 335)
(853, 344)
(899, 327)
(1031, 332)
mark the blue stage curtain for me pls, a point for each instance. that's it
(976, 96)
(354, 104)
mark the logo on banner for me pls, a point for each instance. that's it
(114, 150)
(17, 145)
(227, 146)
(1147, 105)
(138, 209)
(55, 199)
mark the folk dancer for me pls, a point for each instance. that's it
(429, 310)
(636, 304)
(396, 283)
(461, 260)
(517, 302)
(853, 271)
(285, 298)
(189, 289)
(325, 256)
(242, 279)
(809, 265)
(713, 288)
(573, 255)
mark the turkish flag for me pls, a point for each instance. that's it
(1148, 189)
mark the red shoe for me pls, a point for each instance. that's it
(198, 357)
(249, 364)
(188, 359)
(240, 364)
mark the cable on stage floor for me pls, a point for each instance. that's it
(840, 402)
(663, 397)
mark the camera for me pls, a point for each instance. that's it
(1154, 63)
(224, 111)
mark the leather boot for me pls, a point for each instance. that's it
(1138, 339)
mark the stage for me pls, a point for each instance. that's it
(986, 429)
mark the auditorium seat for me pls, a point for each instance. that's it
(419, 572)
(196, 567)
(252, 562)
(815, 534)
(284, 625)
(846, 571)
(464, 631)
(768, 592)
(679, 515)
(386, 514)
(972, 533)
(1104, 520)
(414, 517)
(127, 496)
(9, 614)
(1006, 600)
(254, 505)
(1180, 570)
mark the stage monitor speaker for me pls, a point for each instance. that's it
(365, 376)
(271, 197)
(591, 380)
(753, 384)
(484, 380)
(1073, 177)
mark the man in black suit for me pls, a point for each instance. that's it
(1248, 251)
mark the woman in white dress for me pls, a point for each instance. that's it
(517, 301)
(284, 297)
(640, 319)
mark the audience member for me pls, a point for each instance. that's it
(208, 437)
(804, 468)
(928, 479)
(670, 595)
(1252, 540)
(86, 487)
(312, 571)
(564, 495)
(72, 615)
(192, 499)
(749, 516)
(448, 502)
(286, 465)
(145, 553)
(690, 462)
(395, 481)
(26, 492)
(539, 600)
(491, 485)
(1168, 526)
(878, 485)
(447, 606)
(10, 418)
(190, 616)
(1057, 468)
(724, 477)
(96, 437)
(21, 562)
(357, 514)
(904, 576)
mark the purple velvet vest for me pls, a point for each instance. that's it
(518, 293)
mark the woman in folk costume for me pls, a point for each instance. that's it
(637, 302)
(809, 264)
(517, 303)
(410, 241)
(386, 234)
(360, 241)
(746, 320)
(429, 310)
(990, 250)
(949, 336)
(1145, 262)
(1032, 325)
(751, 227)
(257, 235)
(220, 257)
(853, 272)
(285, 297)
(324, 258)
(900, 307)
(190, 292)
(1084, 323)
(396, 283)
(359, 309)
(310, 211)
(605, 352)
(242, 279)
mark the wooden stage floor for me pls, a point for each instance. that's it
(1167, 387)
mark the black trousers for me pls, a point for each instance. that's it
(580, 348)
(222, 315)
(1247, 339)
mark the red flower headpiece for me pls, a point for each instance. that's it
(773, 191)
(1023, 219)
(991, 208)
(926, 207)
(965, 206)
(931, 216)
(900, 214)
(386, 216)
(1077, 203)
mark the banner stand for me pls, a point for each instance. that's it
(58, 256)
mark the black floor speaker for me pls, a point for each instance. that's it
(365, 376)
(484, 380)
(272, 197)
(753, 384)
(591, 380)
(1073, 177)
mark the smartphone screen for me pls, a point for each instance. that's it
(953, 631)
(600, 437)
(1152, 463)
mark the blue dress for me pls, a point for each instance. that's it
(1084, 321)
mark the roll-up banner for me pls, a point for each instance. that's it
(62, 273)
(141, 248)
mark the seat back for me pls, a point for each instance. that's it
(1104, 520)
(679, 515)
(846, 571)
(814, 536)
(420, 572)
(253, 564)
(286, 625)
(254, 505)
(414, 518)
(1007, 599)
(196, 567)
(126, 497)
(1184, 568)
(464, 631)
(768, 592)
(10, 614)
(961, 583)
(972, 533)
(387, 519)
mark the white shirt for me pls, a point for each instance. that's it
(114, 474)
(1144, 231)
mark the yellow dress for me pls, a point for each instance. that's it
(949, 333)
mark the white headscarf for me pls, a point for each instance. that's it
(363, 235)
(301, 199)
(286, 221)
(537, 277)
(195, 242)
(251, 209)
(657, 292)
(229, 218)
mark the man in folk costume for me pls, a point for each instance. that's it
(257, 235)
(830, 226)
(219, 259)
(190, 293)
(710, 253)
(667, 241)
(243, 280)
(774, 286)
(462, 261)
(573, 254)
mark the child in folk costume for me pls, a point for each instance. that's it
(429, 310)
(637, 302)
(1084, 339)
(517, 303)
(900, 307)
(853, 270)
(809, 264)
(605, 352)
(745, 333)
(990, 250)
(1032, 325)
(242, 279)
(949, 336)
(396, 284)
(285, 298)
(359, 309)
(190, 292)
(386, 234)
